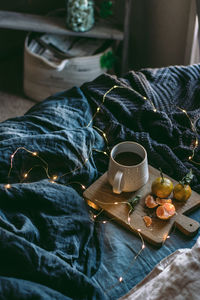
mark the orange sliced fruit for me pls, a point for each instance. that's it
(150, 201)
(165, 211)
(161, 201)
(147, 220)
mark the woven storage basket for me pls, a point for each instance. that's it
(42, 79)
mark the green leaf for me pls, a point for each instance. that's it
(107, 60)
(132, 202)
(187, 178)
(106, 9)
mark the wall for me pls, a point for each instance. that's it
(159, 32)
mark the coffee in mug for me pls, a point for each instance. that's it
(128, 158)
(128, 167)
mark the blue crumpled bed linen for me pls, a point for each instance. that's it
(50, 248)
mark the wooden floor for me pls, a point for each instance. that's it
(12, 100)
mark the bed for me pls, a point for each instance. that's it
(51, 245)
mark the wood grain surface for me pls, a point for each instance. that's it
(55, 25)
(100, 193)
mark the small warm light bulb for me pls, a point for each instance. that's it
(52, 181)
(55, 177)
(83, 187)
(166, 236)
(120, 279)
(98, 109)
(12, 156)
(105, 153)
(145, 98)
(7, 186)
(86, 159)
(104, 222)
(129, 219)
(104, 134)
(115, 203)
(183, 110)
(25, 175)
(143, 246)
(94, 216)
(196, 143)
(34, 153)
(155, 110)
(190, 157)
(139, 230)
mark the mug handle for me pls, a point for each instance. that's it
(117, 182)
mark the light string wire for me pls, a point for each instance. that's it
(196, 142)
(95, 216)
(54, 178)
(103, 100)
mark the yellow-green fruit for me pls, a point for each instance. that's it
(182, 192)
(162, 187)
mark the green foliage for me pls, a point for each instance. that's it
(132, 203)
(187, 178)
(106, 9)
(107, 60)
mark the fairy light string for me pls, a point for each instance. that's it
(196, 142)
(106, 152)
(138, 231)
(55, 178)
(25, 175)
(33, 153)
(150, 101)
(103, 100)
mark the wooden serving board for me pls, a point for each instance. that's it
(100, 193)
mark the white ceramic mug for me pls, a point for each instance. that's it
(124, 177)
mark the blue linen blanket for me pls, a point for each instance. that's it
(50, 248)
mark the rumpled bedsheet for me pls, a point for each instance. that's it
(50, 247)
(175, 277)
